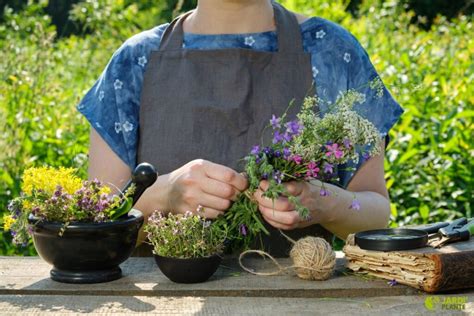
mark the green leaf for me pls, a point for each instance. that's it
(123, 209)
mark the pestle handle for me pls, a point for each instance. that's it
(143, 177)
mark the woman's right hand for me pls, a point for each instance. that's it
(204, 183)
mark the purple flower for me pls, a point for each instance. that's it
(277, 137)
(347, 143)
(35, 210)
(365, 155)
(328, 168)
(58, 191)
(277, 176)
(265, 176)
(255, 150)
(275, 122)
(324, 192)
(294, 128)
(355, 205)
(277, 153)
(392, 283)
(334, 150)
(243, 229)
(268, 151)
(286, 153)
(258, 160)
(287, 137)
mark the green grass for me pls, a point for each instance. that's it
(429, 162)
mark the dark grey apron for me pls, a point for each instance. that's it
(214, 104)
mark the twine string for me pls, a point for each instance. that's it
(313, 259)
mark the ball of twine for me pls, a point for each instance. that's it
(313, 259)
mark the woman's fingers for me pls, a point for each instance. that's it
(281, 204)
(219, 189)
(210, 212)
(214, 202)
(294, 188)
(290, 218)
(225, 175)
(278, 225)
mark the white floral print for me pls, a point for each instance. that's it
(315, 72)
(101, 95)
(118, 127)
(320, 34)
(127, 127)
(142, 61)
(347, 57)
(118, 84)
(249, 41)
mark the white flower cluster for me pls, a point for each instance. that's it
(341, 125)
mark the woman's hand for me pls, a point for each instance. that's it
(281, 213)
(204, 183)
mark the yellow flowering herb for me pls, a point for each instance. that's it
(8, 221)
(47, 178)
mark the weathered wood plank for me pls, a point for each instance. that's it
(106, 305)
(30, 276)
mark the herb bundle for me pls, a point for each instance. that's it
(309, 147)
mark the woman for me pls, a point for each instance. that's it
(193, 97)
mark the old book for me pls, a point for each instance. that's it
(432, 270)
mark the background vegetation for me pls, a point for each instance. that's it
(52, 52)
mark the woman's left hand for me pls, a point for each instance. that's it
(280, 213)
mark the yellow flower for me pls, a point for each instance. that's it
(47, 178)
(8, 221)
(105, 190)
(26, 205)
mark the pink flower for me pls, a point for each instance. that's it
(297, 159)
(334, 150)
(312, 169)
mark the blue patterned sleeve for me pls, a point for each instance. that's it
(112, 105)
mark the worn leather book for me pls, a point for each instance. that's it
(432, 270)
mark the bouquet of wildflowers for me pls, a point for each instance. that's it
(184, 236)
(306, 148)
(57, 195)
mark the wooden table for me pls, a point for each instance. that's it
(25, 287)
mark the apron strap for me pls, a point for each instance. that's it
(288, 30)
(287, 27)
(173, 36)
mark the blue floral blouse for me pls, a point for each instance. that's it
(339, 63)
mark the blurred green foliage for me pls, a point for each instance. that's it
(430, 72)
